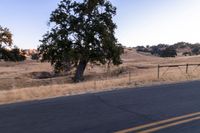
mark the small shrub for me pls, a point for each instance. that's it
(35, 56)
(196, 50)
(11, 55)
(187, 53)
(169, 52)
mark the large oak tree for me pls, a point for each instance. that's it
(81, 32)
(13, 54)
(5, 36)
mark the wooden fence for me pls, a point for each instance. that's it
(176, 66)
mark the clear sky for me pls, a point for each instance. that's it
(140, 22)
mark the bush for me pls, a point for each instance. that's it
(187, 54)
(11, 55)
(142, 49)
(196, 50)
(15, 55)
(35, 56)
(163, 51)
(169, 52)
(155, 50)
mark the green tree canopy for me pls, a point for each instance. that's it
(5, 36)
(13, 54)
(82, 32)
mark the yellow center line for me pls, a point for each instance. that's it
(157, 123)
(170, 125)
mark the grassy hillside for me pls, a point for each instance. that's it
(34, 80)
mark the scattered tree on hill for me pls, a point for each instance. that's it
(12, 55)
(35, 56)
(6, 40)
(142, 49)
(5, 36)
(155, 51)
(83, 32)
(196, 50)
(161, 50)
(169, 52)
(182, 45)
(187, 53)
(165, 50)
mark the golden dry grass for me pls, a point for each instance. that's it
(17, 82)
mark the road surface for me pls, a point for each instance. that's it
(171, 108)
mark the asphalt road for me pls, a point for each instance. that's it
(120, 110)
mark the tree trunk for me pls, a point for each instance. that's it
(80, 70)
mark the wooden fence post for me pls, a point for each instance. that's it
(158, 71)
(187, 68)
(95, 84)
(129, 77)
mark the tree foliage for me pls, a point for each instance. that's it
(82, 32)
(168, 52)
(11, 55)
(196, 50)
(5, 36)
(164, 51)
(35, 56)
(6, 40)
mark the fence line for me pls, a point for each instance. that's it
(173, 66)
(127, 74)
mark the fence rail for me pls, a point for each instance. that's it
(176, 65)
(125, 75)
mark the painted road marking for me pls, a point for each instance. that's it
(170, 125)
(179, 120)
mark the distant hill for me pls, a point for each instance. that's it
(177, 49)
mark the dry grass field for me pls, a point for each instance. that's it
(31, 80)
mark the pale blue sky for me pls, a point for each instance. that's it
(140, 22)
